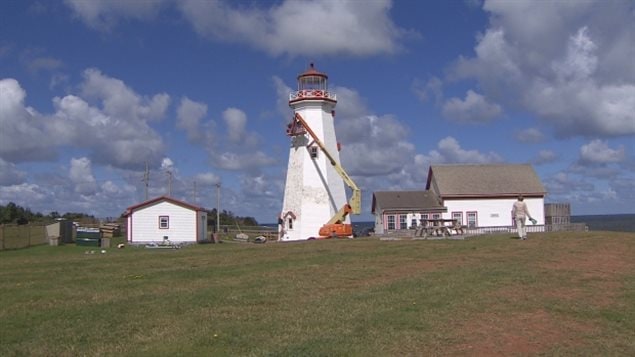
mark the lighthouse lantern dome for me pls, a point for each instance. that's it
(312, 79)
(312, 86)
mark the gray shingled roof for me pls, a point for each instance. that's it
(484, 180)
(406, 200)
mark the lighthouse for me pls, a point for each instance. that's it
(315, 203)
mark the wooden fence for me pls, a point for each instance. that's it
(16, 237)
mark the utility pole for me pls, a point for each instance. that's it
(218, 208)
(146, 180)
(169, 183)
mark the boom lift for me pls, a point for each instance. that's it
(335, 227)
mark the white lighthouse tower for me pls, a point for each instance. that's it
(314, 192)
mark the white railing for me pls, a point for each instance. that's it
(467, 231)
(312, 94)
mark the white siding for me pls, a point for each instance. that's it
(493, 212)
(143, 223)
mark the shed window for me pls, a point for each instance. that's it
(164, 222)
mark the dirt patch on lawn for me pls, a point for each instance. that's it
(594, 273)
(523, 333)
(606, 260)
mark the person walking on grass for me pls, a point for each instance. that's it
(520, 213)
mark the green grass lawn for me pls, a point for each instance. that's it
(555, 294)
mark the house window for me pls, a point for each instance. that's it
(391, 222)
(458, 216)
(403, 221)
(436, 216)
(413, 222)
(313, 151)
(164, 222)
(472, 219)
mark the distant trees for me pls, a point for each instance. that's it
(13, 213)
(227, 218)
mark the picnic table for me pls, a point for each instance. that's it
(438, 227)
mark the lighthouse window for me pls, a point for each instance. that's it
(313, 151)
(290, 223)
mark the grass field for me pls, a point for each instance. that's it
(555, 294)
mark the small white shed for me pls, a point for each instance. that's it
(166, 218)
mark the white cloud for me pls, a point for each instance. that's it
(319, 27)
(24, 192)
(103, 15)
(530, 135)
(373, 146)
(568, 62)
(118, 100)
(25, 134)
(450, 151)
(236, 121)
(167, 164)
(113, 140)
(241, 161)
(207, 179)
(117, 135)
(580, 61)
(81, 175)
(10, 174)
(259, 186)
(544, 157)
(36, 65)
(282, 99)
(239, 149)
(433, 88)
(598, 152)
(189, 115)
(474, 109)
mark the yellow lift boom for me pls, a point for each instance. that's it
(336, 227)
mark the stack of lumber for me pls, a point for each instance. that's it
(109, 230)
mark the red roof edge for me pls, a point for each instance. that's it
(133, 208)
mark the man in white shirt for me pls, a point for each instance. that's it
(520, 213)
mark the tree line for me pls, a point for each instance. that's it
(227, 218)
(13, 213)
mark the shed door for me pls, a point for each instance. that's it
(202, 229)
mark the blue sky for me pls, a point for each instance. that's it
(91, 91)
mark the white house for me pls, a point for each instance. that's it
(483, 195)
(399, 210)
(475, 195)
(166, 218)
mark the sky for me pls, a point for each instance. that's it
(92, 92)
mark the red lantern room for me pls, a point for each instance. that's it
(312, 85)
